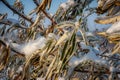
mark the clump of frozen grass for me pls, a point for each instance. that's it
(82, 61)
(29, 47)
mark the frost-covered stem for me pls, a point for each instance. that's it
(48, 74)
(15, 11)
(26, 66)
(116, 48)
(84, 36)
(36, 21)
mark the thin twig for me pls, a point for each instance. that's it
(5, 22)
(15, 11)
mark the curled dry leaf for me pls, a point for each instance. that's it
(108, 19)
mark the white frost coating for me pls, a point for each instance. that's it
(30, 47)
(64, 6)
(51, 14)
(61, 78)
(65, 36)
(114, 28)
(70, 2)
(96, 47)
(74, 61)
(40, 78)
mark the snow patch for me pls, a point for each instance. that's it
(29, 47)
(74, 61)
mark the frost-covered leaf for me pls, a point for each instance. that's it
(108, 19)
(114, 28)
